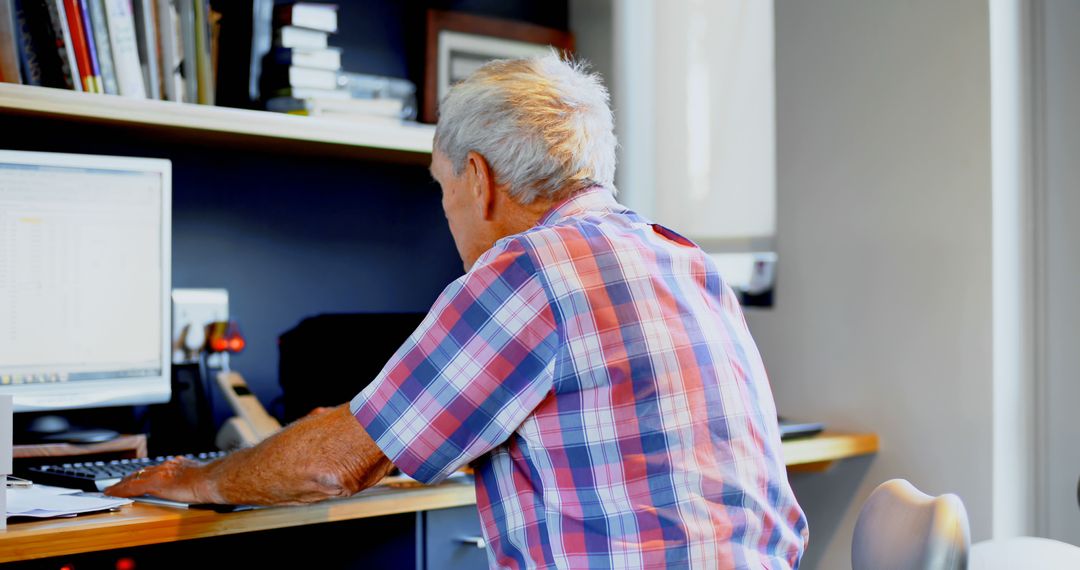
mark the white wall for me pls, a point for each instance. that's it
(1058, 178)
(883, 315)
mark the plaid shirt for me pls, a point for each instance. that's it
(601, 379)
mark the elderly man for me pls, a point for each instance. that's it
(592, 366)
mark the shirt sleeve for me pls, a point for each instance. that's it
(477, 366)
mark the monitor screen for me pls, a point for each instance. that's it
(85, 259)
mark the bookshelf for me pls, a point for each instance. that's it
(405, 143)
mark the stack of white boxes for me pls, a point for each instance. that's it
(5, 454)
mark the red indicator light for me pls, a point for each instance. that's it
(223, 336)
(125, 564)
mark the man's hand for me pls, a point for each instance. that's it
(178, 479)
(315, 458)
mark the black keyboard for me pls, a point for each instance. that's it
(791, 430)
(96, 475)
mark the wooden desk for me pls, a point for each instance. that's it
(143, 524)
(818, 453)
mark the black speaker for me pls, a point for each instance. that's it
(327, 359)
(186, 423)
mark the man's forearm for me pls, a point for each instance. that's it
(318, 457)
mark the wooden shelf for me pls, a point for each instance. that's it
(409, 143)
(819, 452)
(123, 447)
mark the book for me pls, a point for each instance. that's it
(262, 38)
(65, 51)
(350, 117)
(291, 76)
(100, 26)
(309, 15)
(293, 37)
(146, 36)
(78, 45)
(205, 88)
(125, 47)
(91, 47)
(318, 106)
(9, 44)
(172, 51)
(93, 67)
(329, 58)
(306, 93)
(42, 54)
(215, 45)
(187, 41)
(82, 11)
(29, 66)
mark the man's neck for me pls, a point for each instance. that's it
(518, 218)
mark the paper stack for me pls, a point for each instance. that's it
(43, 501)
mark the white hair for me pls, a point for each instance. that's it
(542, 123)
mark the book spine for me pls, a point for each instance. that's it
(145, 33)
(58, 18)
(214, 29)
(100, 26)
(91, 48)
(155, 34)
(202, 54)
(187, 34)
(327, 59)
(320, 19)
(9, 46)
(159, 47)
(78, 43)
(262, 38)
(125, 46)
(171, 52)
(40, 43)
(29, 63)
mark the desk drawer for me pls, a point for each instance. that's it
(452, 540)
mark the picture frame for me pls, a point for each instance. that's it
(459, 43)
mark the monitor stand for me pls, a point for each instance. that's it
(57, 429)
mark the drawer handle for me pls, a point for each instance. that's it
(477, 541)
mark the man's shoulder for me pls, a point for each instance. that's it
(566, 236)
(571, 238)
(531, 241)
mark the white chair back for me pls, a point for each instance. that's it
(902, 528)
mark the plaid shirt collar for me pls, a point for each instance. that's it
(591, 199)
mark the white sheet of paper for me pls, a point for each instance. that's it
(44, 501)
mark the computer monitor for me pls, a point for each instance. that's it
(85, 275)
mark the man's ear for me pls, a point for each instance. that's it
(481, 182)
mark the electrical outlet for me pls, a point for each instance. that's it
(193, 309)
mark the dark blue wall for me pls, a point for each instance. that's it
(308, 236)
